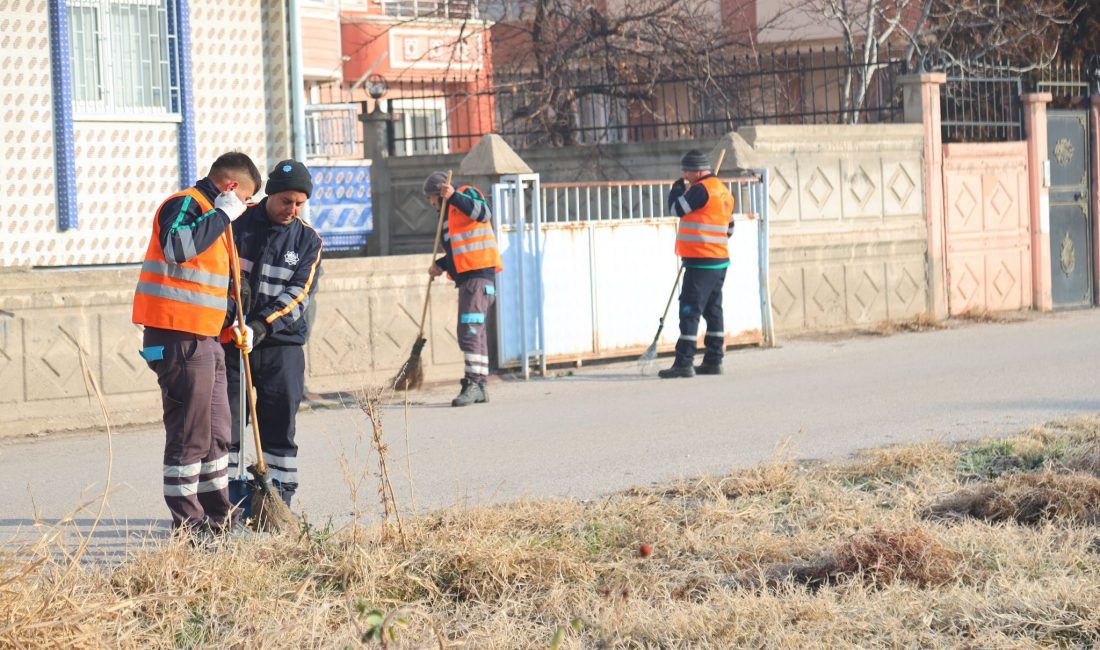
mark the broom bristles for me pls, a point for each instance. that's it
(411, 375)
(650, 353)
(269, 511)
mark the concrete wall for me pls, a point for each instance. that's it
(848, 232)
(366, 322)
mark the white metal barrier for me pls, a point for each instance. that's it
(588, 268)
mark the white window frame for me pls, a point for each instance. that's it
(404, 108)
(153, 71)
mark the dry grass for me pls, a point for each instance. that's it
(922, 323)
(983, 315)
(781, 555)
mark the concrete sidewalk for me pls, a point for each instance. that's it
(609, 427)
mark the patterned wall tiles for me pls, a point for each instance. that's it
(26, 124)
(277, 127)
(124, 171)
(228, 77)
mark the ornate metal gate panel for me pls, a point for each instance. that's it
(1070, 222)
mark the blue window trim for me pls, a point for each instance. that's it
(64, 154)
(185, 102)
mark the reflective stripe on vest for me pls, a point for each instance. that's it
(473, 244)
(704, 232)
(190, 297)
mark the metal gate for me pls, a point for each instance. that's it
(588, 268)
(1070, 222)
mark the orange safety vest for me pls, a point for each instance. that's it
(473, 244)
(190, 297)
(704, 232)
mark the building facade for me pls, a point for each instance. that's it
(109, 106)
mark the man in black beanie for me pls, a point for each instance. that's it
(705, 207)
(280, 264)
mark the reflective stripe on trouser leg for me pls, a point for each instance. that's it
(191, 377)
(475, 299)
(698, 298)
(278, 373)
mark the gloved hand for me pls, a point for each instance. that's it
(243, 340)
(230, 204)
(259, 329)
(680, 185)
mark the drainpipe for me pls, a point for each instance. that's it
(297, 91)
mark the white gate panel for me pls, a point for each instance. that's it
(576, 289)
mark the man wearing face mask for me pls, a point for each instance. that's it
(181, 299)
(280, 264)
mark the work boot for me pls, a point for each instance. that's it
(708, 369)
(472, 393)
(676, 371)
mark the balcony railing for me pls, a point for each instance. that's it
(333, 131)
(448, 9)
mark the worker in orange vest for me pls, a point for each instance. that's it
(472, 260)
(705, 207)
(182, 300)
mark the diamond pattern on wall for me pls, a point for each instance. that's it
(1001, 202)
(783, 299)
(1004, 281)
(964, 204)
(779, 190)
(906, 288)
(901, 185)
(867, 290)
(826, 294)
(861, 187)
(968, 284)
(338, 344)
(819, 188)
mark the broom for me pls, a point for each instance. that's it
(411, 374)
(651, 352)
(268, 510)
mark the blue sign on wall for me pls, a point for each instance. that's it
(340, 206)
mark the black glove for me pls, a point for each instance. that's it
(260, 331)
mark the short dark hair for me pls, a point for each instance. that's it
(236, 163)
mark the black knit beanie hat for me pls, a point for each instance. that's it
(694, 161)
(289, 175)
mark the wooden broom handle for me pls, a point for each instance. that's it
(235, 267)
(435, 251)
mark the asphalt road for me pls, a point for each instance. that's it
(599, 429)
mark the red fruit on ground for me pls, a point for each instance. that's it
(645, 550)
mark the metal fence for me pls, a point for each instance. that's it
(611, 105)
(1069, 82)
(980, 102)
(333, 131)
(625, 200)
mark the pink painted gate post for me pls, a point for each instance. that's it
(1035, 126)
